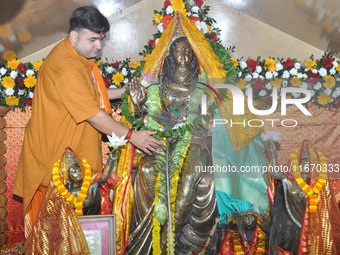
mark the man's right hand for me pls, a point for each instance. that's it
(143, 140)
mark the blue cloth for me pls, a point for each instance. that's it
(238, 191)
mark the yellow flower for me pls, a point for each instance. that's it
(30, 81)
(13, 63)
(178, 5)
(9, 54)
(295, 81)
(276, 83)
(157, 18)
(310, 64)
(25, 36)
(37, 65)
(235, 62)
(12, 101)
(338, 67)
(329, 82)
(241, 83)
(117, 78)
(270, 64)
(134, 64)
(8, 82)
(99, 62)
(146, 57)
(324, 99)
(209, 28)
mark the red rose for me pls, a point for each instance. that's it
(288, 64)
(327, 62)
(213, 36)
(28, 101)
(116, 64)
(22, 68)
(252, 64)
(166, 3)
(20, 82)
(194, 18)
(152, 42)
(312, 78)
(107, 82)
(258, 83)
(166, 20)
(198, 2)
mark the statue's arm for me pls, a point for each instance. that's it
(109, 166)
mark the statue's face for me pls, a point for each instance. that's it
(75, 173)
(183, 54)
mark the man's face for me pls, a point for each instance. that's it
(87, 43)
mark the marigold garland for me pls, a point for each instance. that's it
(312, 192)
(174, 182)
(156, 236)
(77, 201)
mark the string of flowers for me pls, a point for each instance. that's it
(320, 76)
(181, 150)
(175, 166)
(156, 235)
(311, 192)
(76, 201)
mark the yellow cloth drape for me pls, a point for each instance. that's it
(181, 25)
(123, 194)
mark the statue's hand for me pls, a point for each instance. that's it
(137, 94)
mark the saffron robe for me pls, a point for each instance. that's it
(65, 97)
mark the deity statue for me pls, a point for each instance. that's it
(287, 210)
(301, 203)
(195, 205)
(57, 230)
(95, 202)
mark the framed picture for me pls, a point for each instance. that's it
(100, 233)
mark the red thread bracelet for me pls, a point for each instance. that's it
(129, 134)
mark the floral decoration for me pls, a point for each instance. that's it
(17, 82)
(311, 192)
(86, 183)
(115, 141)
(320, 76)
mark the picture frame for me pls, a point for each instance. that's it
(100, 233)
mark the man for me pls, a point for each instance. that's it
(70, 109)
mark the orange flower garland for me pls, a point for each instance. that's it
(312, 192)
(77, 201)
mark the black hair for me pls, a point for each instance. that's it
(169, 61)
(88, 17)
